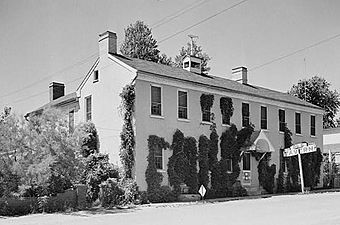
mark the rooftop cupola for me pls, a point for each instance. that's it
(192, 62)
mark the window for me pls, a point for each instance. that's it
(245, 114)
(182, 105)
(264, 117)
(156, 100)
(159, 158)
(312, 125)
(71, 121)
(225, 119)
(298, 123)
(246, 161)
(229, 165)
(282, 120)
(88, 108)
(95, 76)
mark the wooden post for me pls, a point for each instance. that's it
(301, 174)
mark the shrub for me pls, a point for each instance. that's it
(203, 161)
(111, 193)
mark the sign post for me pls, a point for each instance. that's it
(298, 149)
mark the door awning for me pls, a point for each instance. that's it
(260, 142)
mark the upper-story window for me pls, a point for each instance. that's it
(264, 118)
(71, 121)
(298, 123)
(88, 108)
(156, 100)
(182, 105)
(245, 114)
(312, 125)
(95, 76)
(207, 101)
(282, 120)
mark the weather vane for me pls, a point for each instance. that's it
(191, 36)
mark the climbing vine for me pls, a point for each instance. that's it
(207, 101)
(223, 180)
(266, 173)
(227, 109)
(203, 160)
(152, 176)
(127, 135)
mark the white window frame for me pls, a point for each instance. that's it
(261, 117)
(94, 77)
(183, 119)
(162, 108)
(249, 162)
(242, 113)
(85, 107)
(278, 116)
(310, 125)
(299, 134)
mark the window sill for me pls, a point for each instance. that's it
(161, 171)
(265, 130)
(226, 125)
(298, 134)
(313, 136)
(183, 120)
(95, 81)
(157, 117)
(206, 123)
(281, 132)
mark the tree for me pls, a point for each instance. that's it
(316, 90)
(48, 156)
(139, 43)
(89, 138)
(197, 51)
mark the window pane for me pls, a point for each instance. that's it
(229, 165)
(155, 94)
(182, 105)
(263, 117)
(245, 114)
(298, 123)
(246, 161)
(206, 115)
(282, 120)
(158, 158)
(312, 125)
(156, 102)
(88, 106)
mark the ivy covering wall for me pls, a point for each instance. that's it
(127, 135)
(227, 109)
(182, 165)
(156, 192)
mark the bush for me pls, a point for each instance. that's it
(18, 207)
(163, 194)
(111, 193)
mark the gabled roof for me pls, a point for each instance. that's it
(209, 80)
(72, 97)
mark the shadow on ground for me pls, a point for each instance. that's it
(101, 211)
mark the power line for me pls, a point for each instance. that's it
(295, 52)
(83, 61)
(43, 92)
(204, 20)
(178, 13)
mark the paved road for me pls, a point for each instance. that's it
(311, 209)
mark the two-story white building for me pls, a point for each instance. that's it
(168, 98)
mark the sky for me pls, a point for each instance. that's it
(280, 42)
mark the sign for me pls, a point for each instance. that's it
(202, 190)
(290, 152)
(308, 149)
(298, 149)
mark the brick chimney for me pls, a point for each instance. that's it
(239, 74)
(57, 90)
(107, 43)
